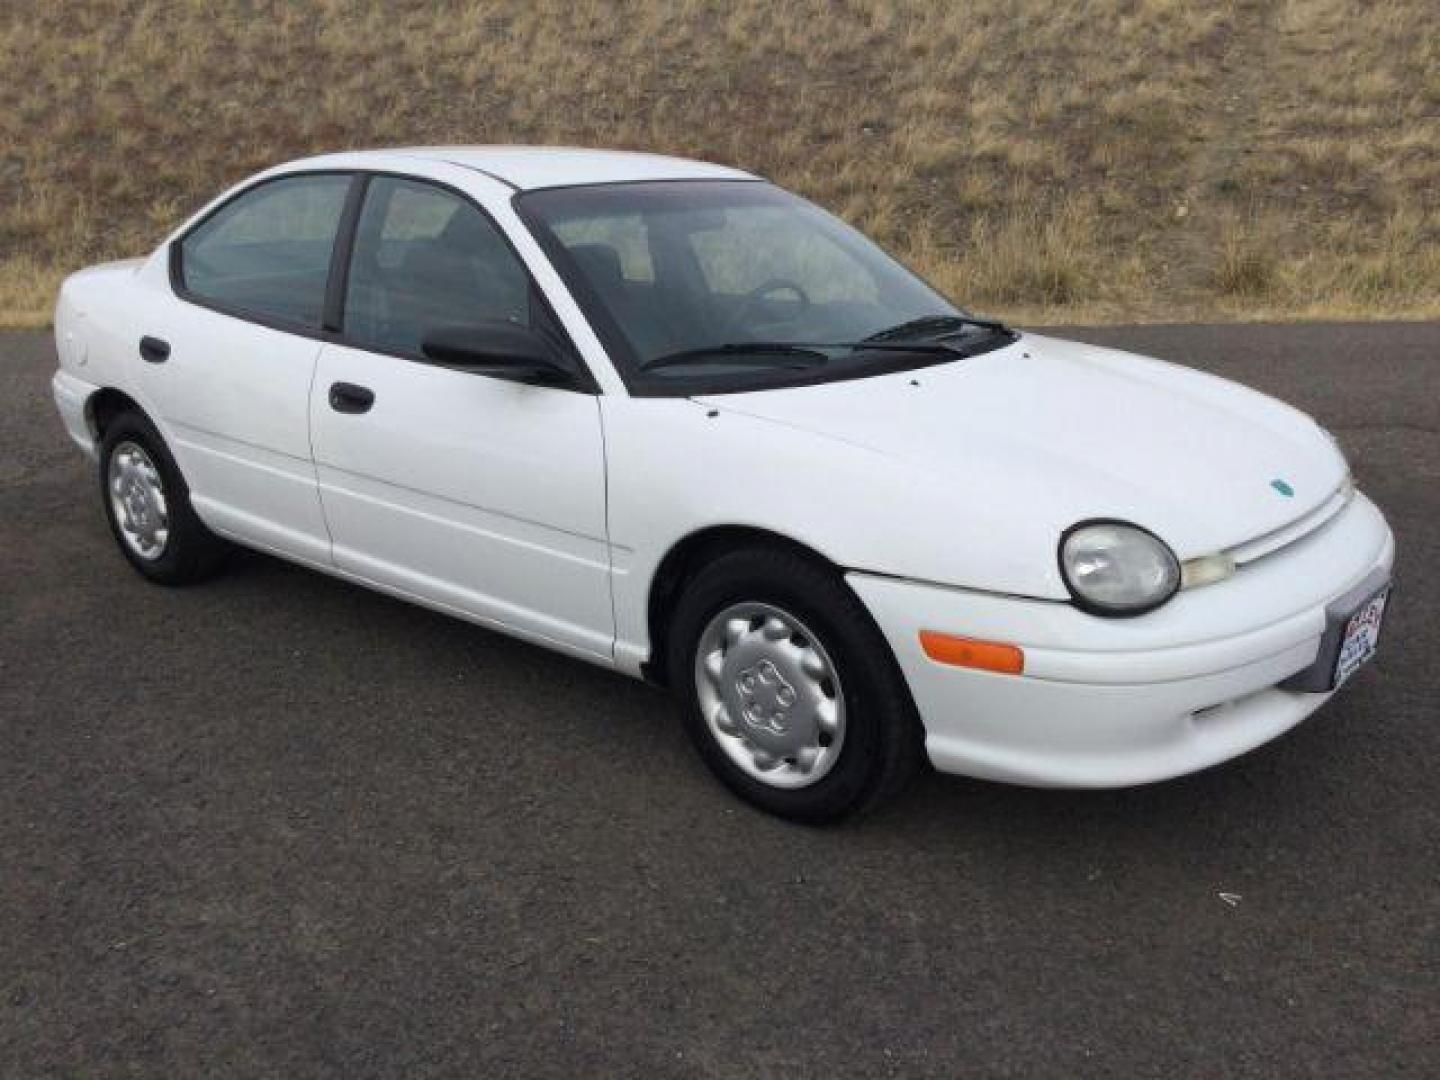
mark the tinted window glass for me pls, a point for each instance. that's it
(626, 234)
(772, 244)
(425, 258)
(680, 266)
(268, 252)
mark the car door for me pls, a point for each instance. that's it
(230, 356)
(479, 495)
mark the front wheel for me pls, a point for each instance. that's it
(791, 693)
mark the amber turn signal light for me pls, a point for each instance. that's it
(967, 652)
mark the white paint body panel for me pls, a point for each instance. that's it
(942, 492)
(234, 398)
(1109, 703)
(484, 495)
(1021, 443)
(529, 167)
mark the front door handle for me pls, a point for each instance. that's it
(154, 350)
(348, 398)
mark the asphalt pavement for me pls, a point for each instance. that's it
(280, 826)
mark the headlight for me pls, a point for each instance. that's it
(1112, 568)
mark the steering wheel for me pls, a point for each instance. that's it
(758, 294)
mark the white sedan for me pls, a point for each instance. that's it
(668, 418)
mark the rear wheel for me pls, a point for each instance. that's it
(148, 506)
(791, 694)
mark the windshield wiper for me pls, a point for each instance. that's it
(796, 357)
(802, 355)
(936, 326)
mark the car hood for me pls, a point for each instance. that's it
(1044, 433)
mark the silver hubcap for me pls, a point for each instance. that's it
(770, 695)
(137, 497)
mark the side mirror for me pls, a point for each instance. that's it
(495, 347)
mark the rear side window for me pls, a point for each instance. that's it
(267, 252)
(425, 258)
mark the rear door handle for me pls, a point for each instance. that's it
(154, 350)
(348, 398)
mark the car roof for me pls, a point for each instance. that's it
(528, 167)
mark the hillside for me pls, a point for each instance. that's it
(1057, 159)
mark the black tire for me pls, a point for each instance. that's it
(191, 552)
(883, 744)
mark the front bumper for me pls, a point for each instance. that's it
(70, 397)
(1116, 702)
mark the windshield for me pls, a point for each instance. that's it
(680, 278)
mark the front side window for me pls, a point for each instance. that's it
(425, 258)
(267, 252)
(716, 284)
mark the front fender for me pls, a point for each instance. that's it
(676, 468)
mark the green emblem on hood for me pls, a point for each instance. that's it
(1283, 488)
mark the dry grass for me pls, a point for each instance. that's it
(1040, 158)
(1247, 265)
